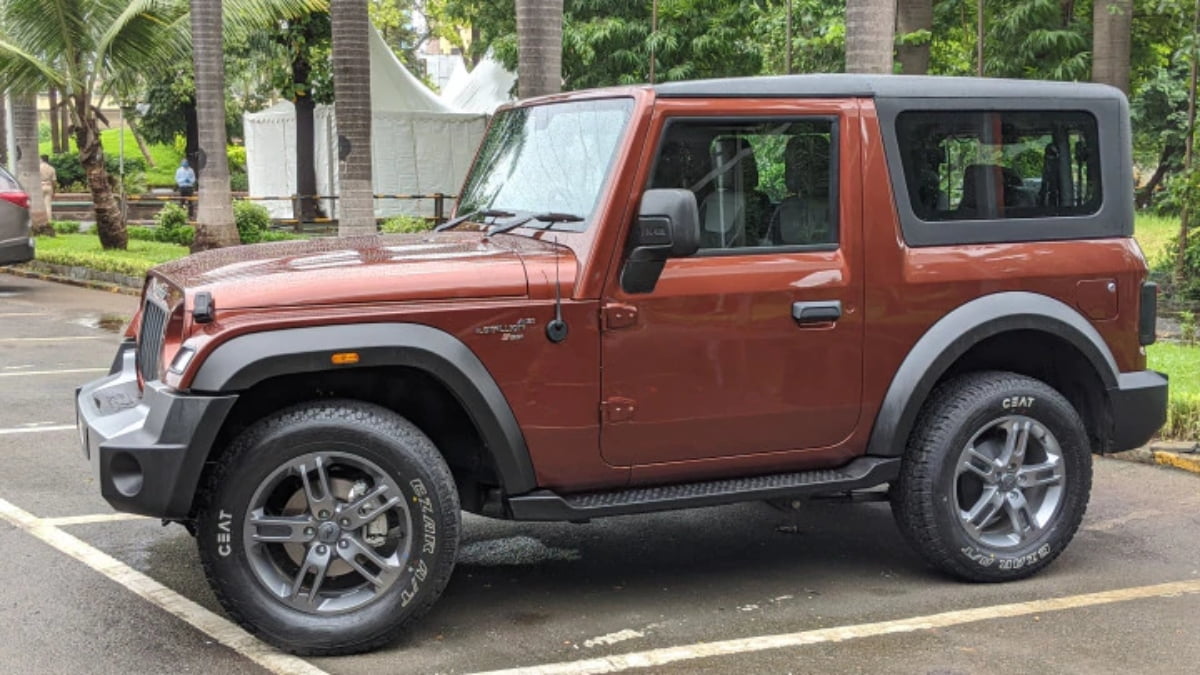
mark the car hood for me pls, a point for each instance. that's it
(383, 268)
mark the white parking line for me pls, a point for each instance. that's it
(65, 338)
(63, 521)
(148, 589)
(65, 371)
(35, 430)
(702, 650)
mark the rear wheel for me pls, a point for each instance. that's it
(995, 479)
(329, 527)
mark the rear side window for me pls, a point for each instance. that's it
(999, 165)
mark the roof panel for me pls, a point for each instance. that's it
(886, 86)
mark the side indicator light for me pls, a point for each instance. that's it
(344, 358)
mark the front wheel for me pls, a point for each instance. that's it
(329, 527)
(995, 478)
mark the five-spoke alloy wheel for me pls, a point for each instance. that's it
(995, 478)
(328, 527)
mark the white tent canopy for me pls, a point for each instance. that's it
(482, 90)
(421, 143)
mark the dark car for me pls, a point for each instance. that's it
(16, 243)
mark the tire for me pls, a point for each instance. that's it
(975, 516)
(376, 545)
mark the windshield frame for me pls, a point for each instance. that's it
(603, 188)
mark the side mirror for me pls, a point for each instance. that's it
(667, 226)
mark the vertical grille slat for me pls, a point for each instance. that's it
(150, 340)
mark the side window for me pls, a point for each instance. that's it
(759, 184)
(1000, 165)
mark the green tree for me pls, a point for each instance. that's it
(89, 50)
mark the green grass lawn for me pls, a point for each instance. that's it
(1153, 233)
(84, 250)
(1182, 364)
(166, 160)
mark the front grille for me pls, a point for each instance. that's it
(150, 340)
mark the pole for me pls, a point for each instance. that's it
(787, 58)
(979, 38)
(653, 32)
(1189, 141)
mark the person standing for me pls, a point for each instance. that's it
(185, 182)
(49, 184)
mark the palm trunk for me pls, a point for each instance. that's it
(214, 216)
(25, 131)
(3, 128)
(109, 223)
(913, 16)
(1111, 21)
(870, 26)
(352, 109)
(306, 170)
(56, 141)
(539, 45)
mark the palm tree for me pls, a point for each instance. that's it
(352, 109)
(539, 45)
(89, 50)
(913, 16)
(870, 26)
(1111, 21)
(214, 215)
(25, 133)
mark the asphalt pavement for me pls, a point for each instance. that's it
(738, 589)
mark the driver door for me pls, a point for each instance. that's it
(754, 344)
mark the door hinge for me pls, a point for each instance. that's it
(617, 315)
(617, 409)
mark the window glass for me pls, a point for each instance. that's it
(759, 184)
(547, 158)
(8, 183)
(996, 165)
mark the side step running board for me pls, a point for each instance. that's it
(863, 472)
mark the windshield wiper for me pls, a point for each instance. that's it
(501, 229)
(484, 213)
(555, 217)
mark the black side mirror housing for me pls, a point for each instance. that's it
(667, 226)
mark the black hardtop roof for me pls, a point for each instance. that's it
(882, 86)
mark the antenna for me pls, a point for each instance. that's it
(556, 329)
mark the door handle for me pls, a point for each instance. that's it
(817, 312)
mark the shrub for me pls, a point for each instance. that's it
(239, 181)
(405, 225)
(237, 158)
(71, 174)
(1187, 326)
(1183, 418)
(66, 226)
(172, 225)
(276, 235)
(252, 221)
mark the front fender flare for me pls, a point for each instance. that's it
(963, 328)
(247, 360)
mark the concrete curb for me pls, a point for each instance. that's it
(1184, 456)
(78, 279)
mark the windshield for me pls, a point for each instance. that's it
(547, 158)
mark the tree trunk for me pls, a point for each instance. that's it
(1111, 20)
(64, 124)
(306, 169)
(539, 47)
(214, 213)
(56, 139)
(913, 16)
(352, 109)
(1146, 194)
(870, 29)
(25, 131)
(141, 143)
(109, 223)
(191, 125)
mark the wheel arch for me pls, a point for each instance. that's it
(974, 335)
(259, 359)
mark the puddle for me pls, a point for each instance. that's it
(113, 323)
(518, 550)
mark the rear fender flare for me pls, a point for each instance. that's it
(954, 334)
(247, 360)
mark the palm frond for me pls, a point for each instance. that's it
(24, 73)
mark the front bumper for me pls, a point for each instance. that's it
(16, 251)
(147, 448)
(1139, 408)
